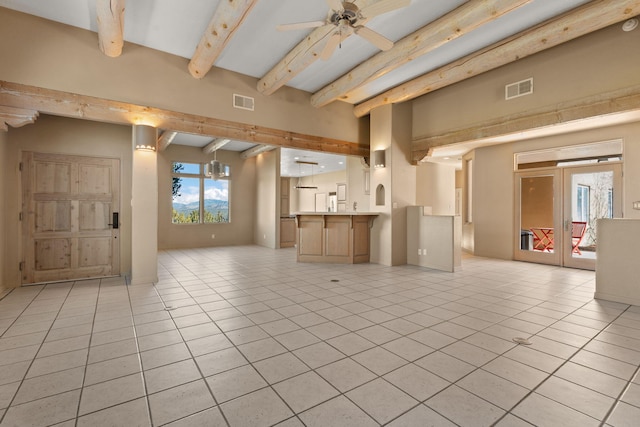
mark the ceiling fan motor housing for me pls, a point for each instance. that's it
(349, 12)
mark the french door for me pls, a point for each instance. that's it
(591, 192)
(557, 211)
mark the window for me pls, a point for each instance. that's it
(582, 203)
(196, 198)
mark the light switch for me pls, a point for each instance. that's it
(636, 205)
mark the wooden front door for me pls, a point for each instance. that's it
(68, 212)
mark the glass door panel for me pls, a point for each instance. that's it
(537, 216)
(590, 193)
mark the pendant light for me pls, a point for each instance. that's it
(216, 169)
(305, 187)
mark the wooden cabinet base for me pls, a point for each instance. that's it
(340, 238)
(287, 232)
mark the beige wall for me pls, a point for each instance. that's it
(4, 243)
(391, 131)
(63, 136)
(326, 183)
(55, 56)
(267, 208)
(242, 202)
(355, 184)
(597, 63)
(493, 191)
(435, 187)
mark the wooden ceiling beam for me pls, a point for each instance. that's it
(611, 104)
(254, 151)
(48, 101)
(300, 57)
(215, 145)
(227, 18)
(110, 16)
(593, 16)
(16, 117)
(459, 22)
(166, 139)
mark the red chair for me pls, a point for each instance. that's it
(542, 238)
(577, 233)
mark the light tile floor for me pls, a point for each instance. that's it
(245, 336)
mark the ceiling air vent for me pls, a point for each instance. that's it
(521, 88)
(242, 102)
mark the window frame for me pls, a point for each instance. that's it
(201, 176)
(583, 201)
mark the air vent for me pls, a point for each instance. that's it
(521, 88)
(242, 102)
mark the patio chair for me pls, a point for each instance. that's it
(577, 233)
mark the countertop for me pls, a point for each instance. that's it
(348, 213)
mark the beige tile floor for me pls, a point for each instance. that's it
(245, 336)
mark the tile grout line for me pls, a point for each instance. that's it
(399, 317)
(86, 365)
(624, 390)
(139, 356)
(567, 360)
(271, 386)
(3, 417)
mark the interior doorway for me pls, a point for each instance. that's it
(70, 223)
(557, 211)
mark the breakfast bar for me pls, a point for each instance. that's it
(334, 237)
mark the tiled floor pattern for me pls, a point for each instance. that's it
(246, 336)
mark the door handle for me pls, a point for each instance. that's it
(114, 221)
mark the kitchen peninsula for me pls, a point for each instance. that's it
(334, 237)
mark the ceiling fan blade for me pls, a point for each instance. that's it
(377, 39)
(335, 5)
(383, 6)
(300, 25)
(332, 44)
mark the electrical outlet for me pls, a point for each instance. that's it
(419, 251)
(213, 236)
(264, 236)
(636, 205)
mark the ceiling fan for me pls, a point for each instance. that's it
(348, 18)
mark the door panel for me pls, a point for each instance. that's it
(53, 216)
(52, 177)
(52, 254)
(537, 213)
(94, 216)
(590, 193)
(68, 202)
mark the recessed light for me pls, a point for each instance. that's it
(447, 158)
(341, 163)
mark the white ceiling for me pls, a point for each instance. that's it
(289, 157)
(177, 26)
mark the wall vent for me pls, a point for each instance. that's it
(243, 102)
(521, 88)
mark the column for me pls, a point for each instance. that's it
(393, 186)
(144, 206)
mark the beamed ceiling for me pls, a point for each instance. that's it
(436, 43)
